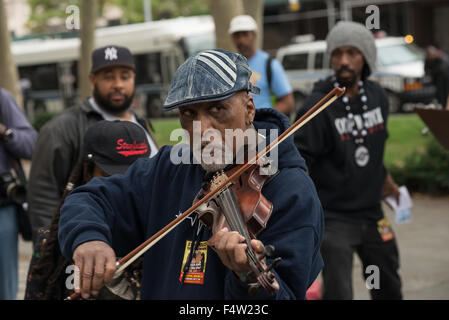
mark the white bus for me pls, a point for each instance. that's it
(48, 67)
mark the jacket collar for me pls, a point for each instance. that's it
(88, 109)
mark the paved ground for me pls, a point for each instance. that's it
(423, 245)
(25, 250)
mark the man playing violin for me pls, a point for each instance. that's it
(109, 217)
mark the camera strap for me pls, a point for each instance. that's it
(18, 169)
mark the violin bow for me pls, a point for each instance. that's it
(124, 262)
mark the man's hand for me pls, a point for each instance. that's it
(3, 129)
(231, 248)
(390, 188)
(96, 262)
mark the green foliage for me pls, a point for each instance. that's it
(425, 171)
(161, 9)
(404, 138)
(43, 11)
(163, 127)
(179, 8)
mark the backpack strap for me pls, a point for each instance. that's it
(268, 71)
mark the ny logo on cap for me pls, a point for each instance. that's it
(110, 53)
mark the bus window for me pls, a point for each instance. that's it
(45, 77)
(170, 62)
(42, 77)
(193, 44)
(295, 61)
(318, 65)
(148, 68)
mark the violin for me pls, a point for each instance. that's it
(265, 278)
(241, 207)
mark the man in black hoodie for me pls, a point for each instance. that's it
(344, 148)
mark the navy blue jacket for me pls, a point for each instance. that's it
(125, 210)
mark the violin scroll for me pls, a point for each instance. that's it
(265, 279)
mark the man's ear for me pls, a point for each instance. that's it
(250, 110)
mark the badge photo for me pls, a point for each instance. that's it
(385, 232)
(197, 267)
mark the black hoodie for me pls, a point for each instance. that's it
(347, 190)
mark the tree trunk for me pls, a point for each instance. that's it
(223, 11)
(8, 69)
(254, 8)
(89, 9)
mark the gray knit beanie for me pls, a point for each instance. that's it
(348, 33)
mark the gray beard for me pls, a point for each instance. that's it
(213, 167)
(224, 162)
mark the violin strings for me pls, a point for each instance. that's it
(231, 211)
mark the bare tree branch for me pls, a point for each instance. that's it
(89, 10)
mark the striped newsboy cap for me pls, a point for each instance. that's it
(210, 75)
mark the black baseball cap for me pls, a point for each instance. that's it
(111, 56)
(115, 145)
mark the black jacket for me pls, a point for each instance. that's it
(57, 151)
(347, 190)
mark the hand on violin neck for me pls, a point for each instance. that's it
(231, 248)
(97, 264)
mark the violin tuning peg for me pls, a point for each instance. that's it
(268, 251)
(267, 164)
(274, 263)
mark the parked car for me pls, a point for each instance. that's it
(399, 70)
